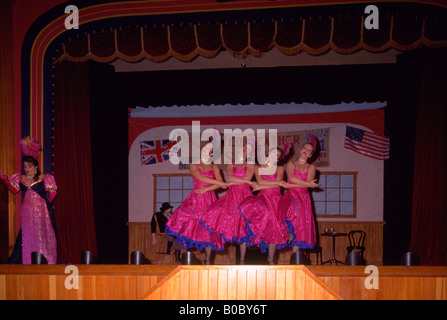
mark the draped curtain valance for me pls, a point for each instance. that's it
(312, 35)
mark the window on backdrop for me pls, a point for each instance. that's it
(172, 188)
(337, 195)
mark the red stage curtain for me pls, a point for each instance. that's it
(407, 30)
(347, 33)
(289, 35)
(261, 36)
(314, 35)
(208, 37)
(73, 205)
(102, 44)
(158, 45)
(317, 35)
(8, 142)
(129, 41)
(183, 40)
(429, 218)
(378, 40)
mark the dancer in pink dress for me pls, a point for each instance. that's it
(184, 222)
(261, 210)
(37, 225)
(223, 216)
(295, 207)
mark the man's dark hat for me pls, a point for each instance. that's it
(165, 206)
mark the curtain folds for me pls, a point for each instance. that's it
(314, 36)
(429, 216)
(73, 206)
(8, 142)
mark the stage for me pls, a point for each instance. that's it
(221, 282)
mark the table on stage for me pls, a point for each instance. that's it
(333, 235)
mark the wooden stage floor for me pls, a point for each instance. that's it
(221, 282)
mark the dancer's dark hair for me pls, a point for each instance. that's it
(33, 161)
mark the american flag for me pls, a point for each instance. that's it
(367, 144)
(156, 151)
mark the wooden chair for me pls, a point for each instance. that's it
(318, 251)
(162, 244)
(356, 241)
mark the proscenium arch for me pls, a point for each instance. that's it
(48, 31)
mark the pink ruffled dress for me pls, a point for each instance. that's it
(261, 214)
(184, 222)
(223, 216)
(295, 209)
(37, 224)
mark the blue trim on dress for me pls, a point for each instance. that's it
(234, 240)
(188, 243)
(291, 230)
(262, 245)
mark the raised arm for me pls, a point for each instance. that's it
(15, 178)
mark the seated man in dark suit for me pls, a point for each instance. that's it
(163, 216)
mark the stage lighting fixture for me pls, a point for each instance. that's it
(188, 258)
(87, 257)
(38, 258)
(410, 259)
(138, 258)
(354, 258)
(299, 257)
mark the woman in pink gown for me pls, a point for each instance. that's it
(37, 225)
(184, 222)
(223, 217)
(295, 207)
(261, 210)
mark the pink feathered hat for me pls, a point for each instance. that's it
(312, 140)
(30, 147)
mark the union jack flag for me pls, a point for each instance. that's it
(155, 151)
